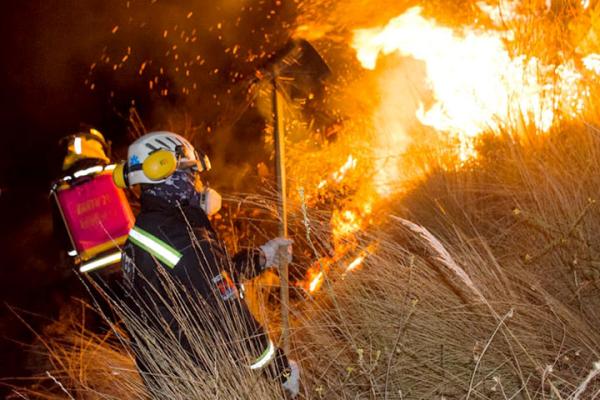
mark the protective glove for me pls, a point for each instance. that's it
(271, 251)
(292, 383)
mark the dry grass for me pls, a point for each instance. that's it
(513, 314)
(494, 295)
(491, 291)
(74, 362)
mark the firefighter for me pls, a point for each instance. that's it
(77, 157)
(84, 149)
(173, 235)
(91, 217)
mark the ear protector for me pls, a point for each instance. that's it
(120, 176)
(157, 166)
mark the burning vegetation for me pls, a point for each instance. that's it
(437, 89)
(478, 125)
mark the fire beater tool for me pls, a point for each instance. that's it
(300, 63)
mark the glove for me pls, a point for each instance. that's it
(271, 251)
(292, 383)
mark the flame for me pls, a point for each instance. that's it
(348, 165)
(502, 13)
(592, 62)
(316, 282)
(452, 84)
(345, 223)
(339, 175)
(316, 274)
(475, 83)
(354, 264)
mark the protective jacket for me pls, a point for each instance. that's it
(179, 241)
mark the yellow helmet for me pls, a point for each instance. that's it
(85, 145)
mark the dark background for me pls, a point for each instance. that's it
(46, 58)
(48, 48)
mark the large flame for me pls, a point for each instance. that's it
(475, 83)
(421, 81)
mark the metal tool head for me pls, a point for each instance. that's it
(297, 61)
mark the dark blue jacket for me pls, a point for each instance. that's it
(174, 263)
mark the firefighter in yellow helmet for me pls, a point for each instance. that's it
(86, 147)
(91, 215)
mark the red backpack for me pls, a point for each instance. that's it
(97, 216)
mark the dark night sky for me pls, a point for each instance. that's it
(47, 49)
(46, 58)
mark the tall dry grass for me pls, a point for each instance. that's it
(494, 294)
(484, 285)
(72, 361)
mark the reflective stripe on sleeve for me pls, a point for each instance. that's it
(265, 357)
(156, 247)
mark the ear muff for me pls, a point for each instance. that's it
(119, 176)
(159, 165)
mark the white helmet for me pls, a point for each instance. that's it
(155, 156)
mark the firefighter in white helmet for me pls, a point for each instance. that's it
(173, 235)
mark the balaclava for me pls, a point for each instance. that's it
(183, 187)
